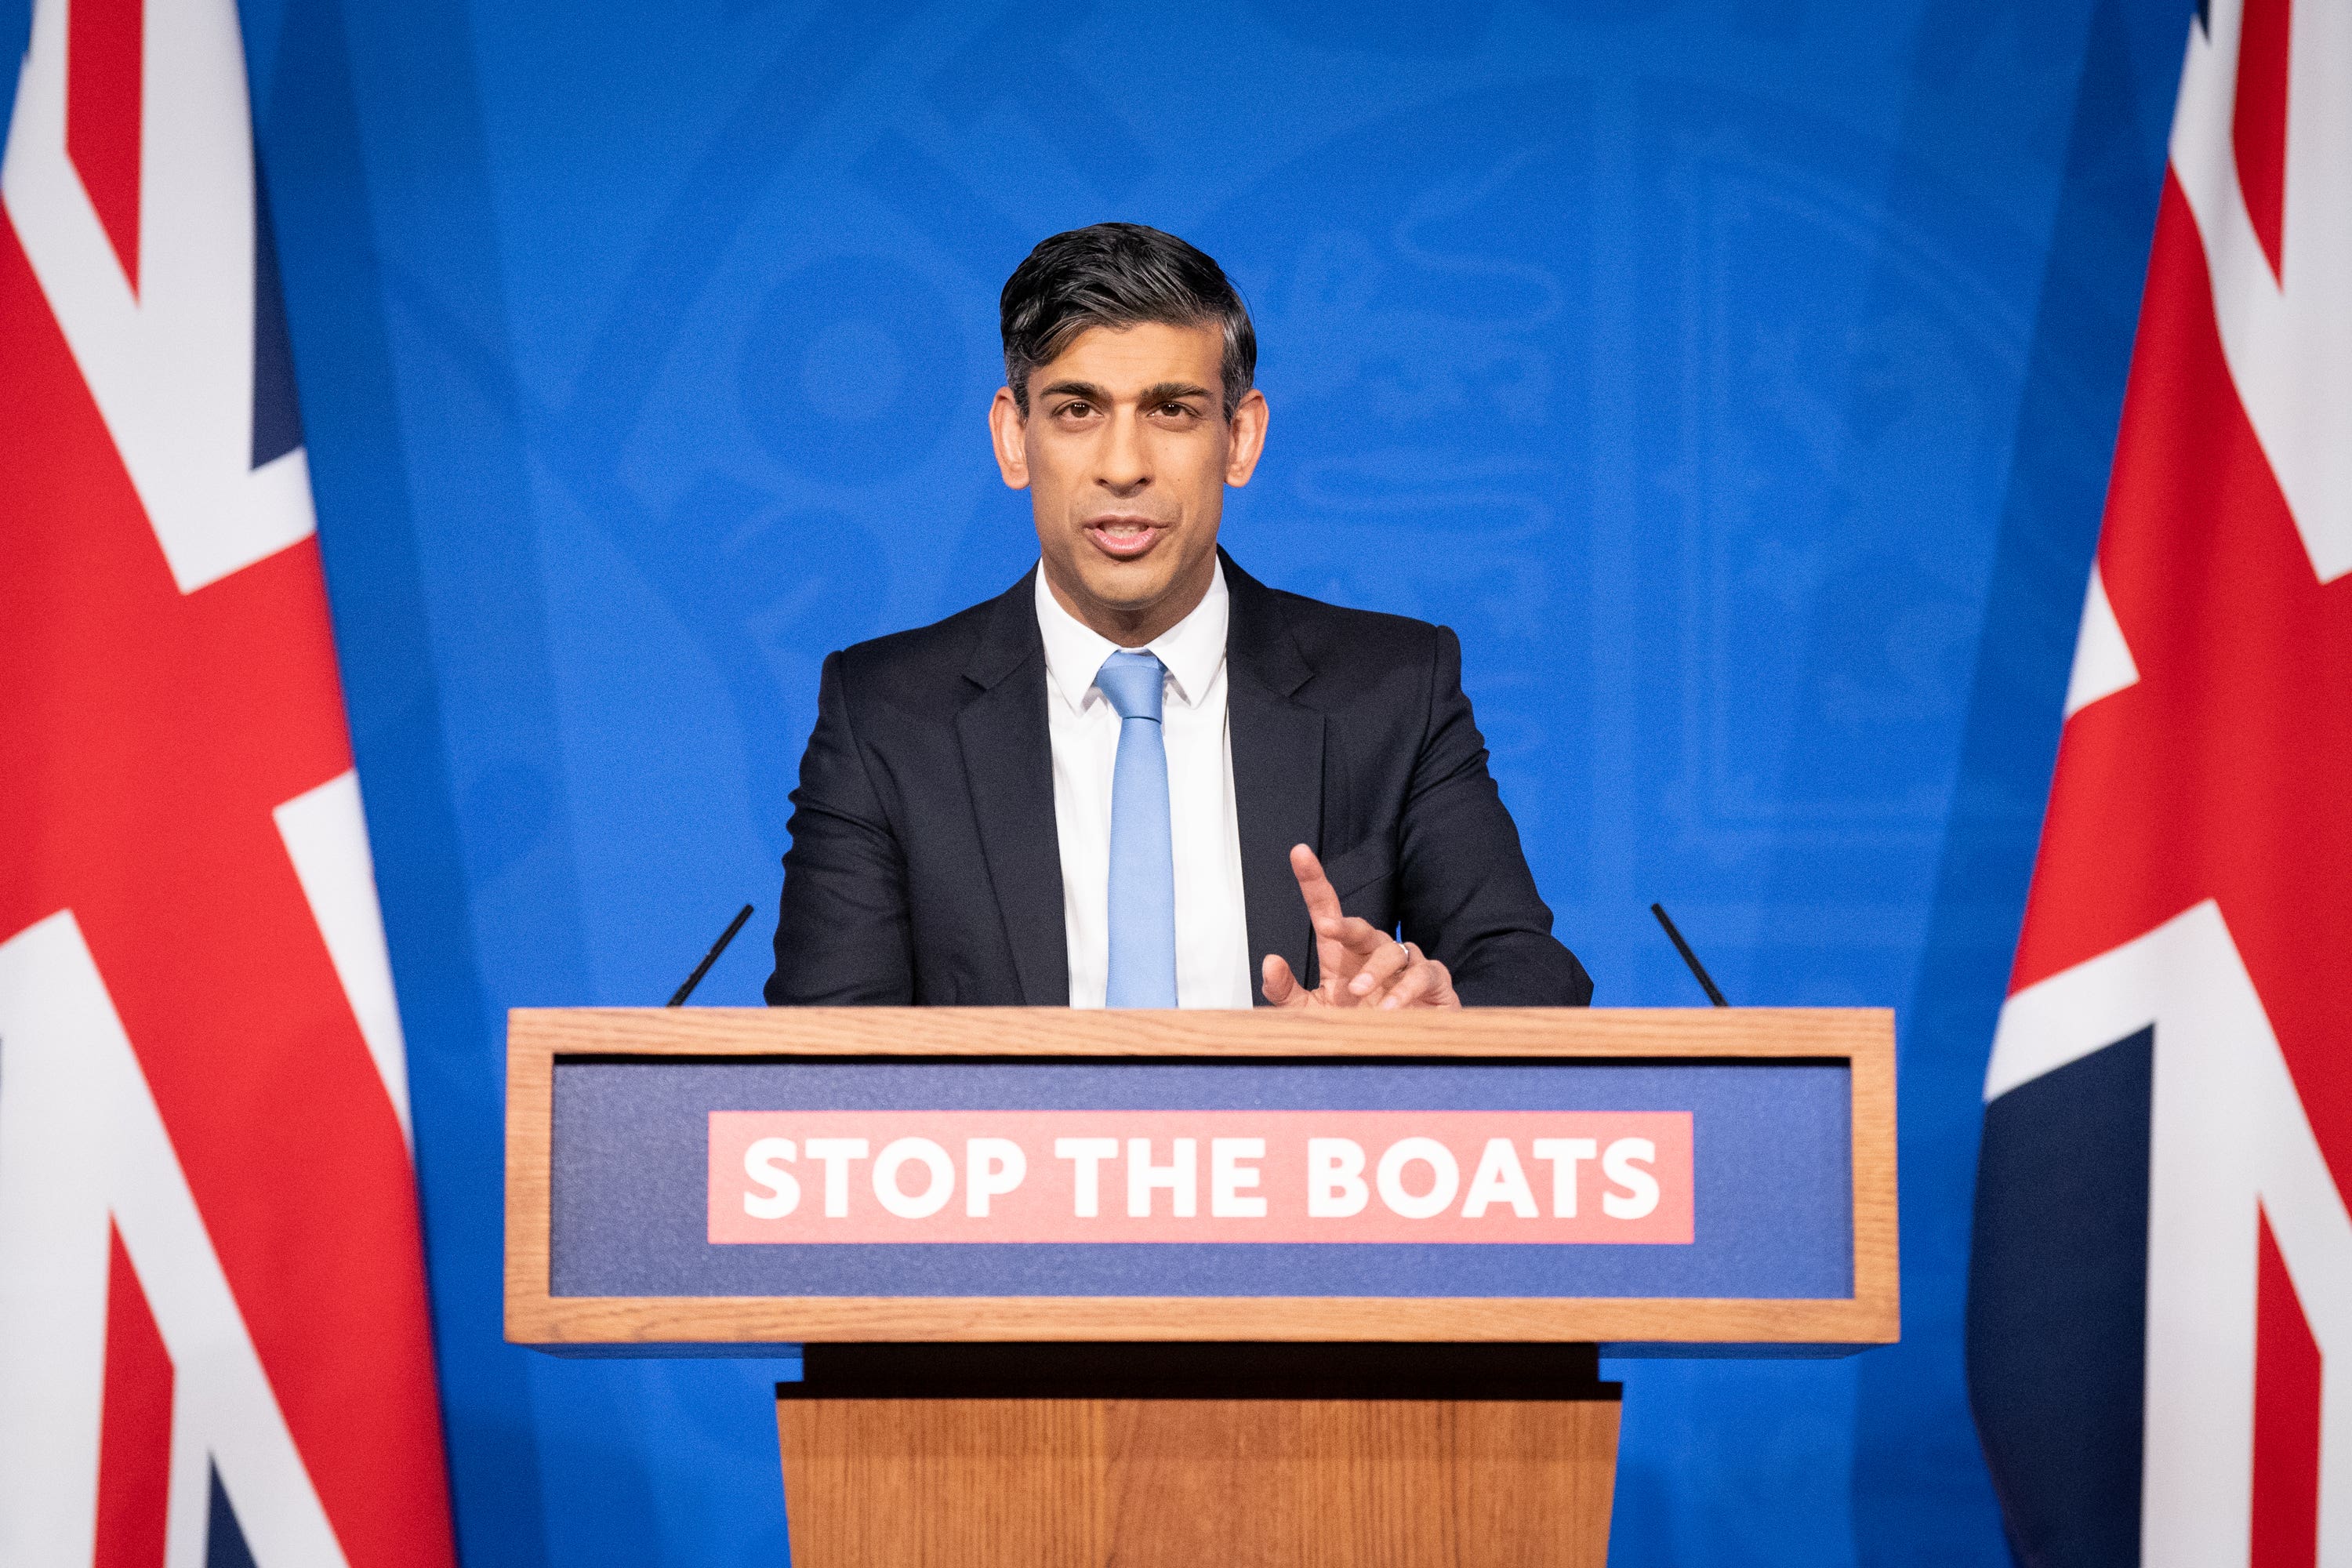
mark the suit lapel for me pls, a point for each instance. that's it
(1008, 758)
(1277, 769)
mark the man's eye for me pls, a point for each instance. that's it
(1077, 410)
(1179, 411)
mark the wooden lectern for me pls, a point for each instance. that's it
(1075, 1288)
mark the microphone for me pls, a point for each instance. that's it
(1658, 909)
(677, 999)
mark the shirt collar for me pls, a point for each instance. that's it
(1194, 649)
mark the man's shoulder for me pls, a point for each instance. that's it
(1321, 621)
(924, 656)
(1339, 636)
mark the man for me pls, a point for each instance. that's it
(1138, 778)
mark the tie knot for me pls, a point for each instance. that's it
(1132, 683)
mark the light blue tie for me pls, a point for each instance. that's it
(1142, 857)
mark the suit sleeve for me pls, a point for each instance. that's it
(1464, 890)
(844, 937)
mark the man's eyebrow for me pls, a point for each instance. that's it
(1152, 396)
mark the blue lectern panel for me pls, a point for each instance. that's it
(1767, 1174)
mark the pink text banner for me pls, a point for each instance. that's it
(987, 1176)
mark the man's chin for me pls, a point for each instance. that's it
(1129, 588)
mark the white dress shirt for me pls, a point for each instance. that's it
(1213, 967)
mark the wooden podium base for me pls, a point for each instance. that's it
(1077, 1456)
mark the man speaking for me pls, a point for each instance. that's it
(1138, 778)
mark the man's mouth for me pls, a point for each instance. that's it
(1125, 538)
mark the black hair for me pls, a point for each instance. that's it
(1119, 275)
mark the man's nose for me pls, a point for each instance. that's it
(1126, 466)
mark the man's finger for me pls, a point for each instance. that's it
(1388, 961)
(1414, 987)
(1282, 987)
(1426, 984)
(1322, 899)
(1323, 913)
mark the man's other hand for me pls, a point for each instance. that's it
(1362, 965)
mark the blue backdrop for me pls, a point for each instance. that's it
(1739, 378)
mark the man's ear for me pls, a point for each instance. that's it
(1009, 434)
(1245, 439)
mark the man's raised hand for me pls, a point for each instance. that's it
(1362, 965)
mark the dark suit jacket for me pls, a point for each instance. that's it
(925, 866)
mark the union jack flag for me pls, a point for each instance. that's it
(2160, 1300)
(213, 1344)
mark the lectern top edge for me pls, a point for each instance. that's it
(1691, 1033)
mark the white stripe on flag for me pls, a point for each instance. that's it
(2103, 660)
(326, 837)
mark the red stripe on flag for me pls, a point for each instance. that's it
(2286, 1420)
(2258, 125)
(134, 1446)
(105, 53)
(2219, 774)
(150, 734)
